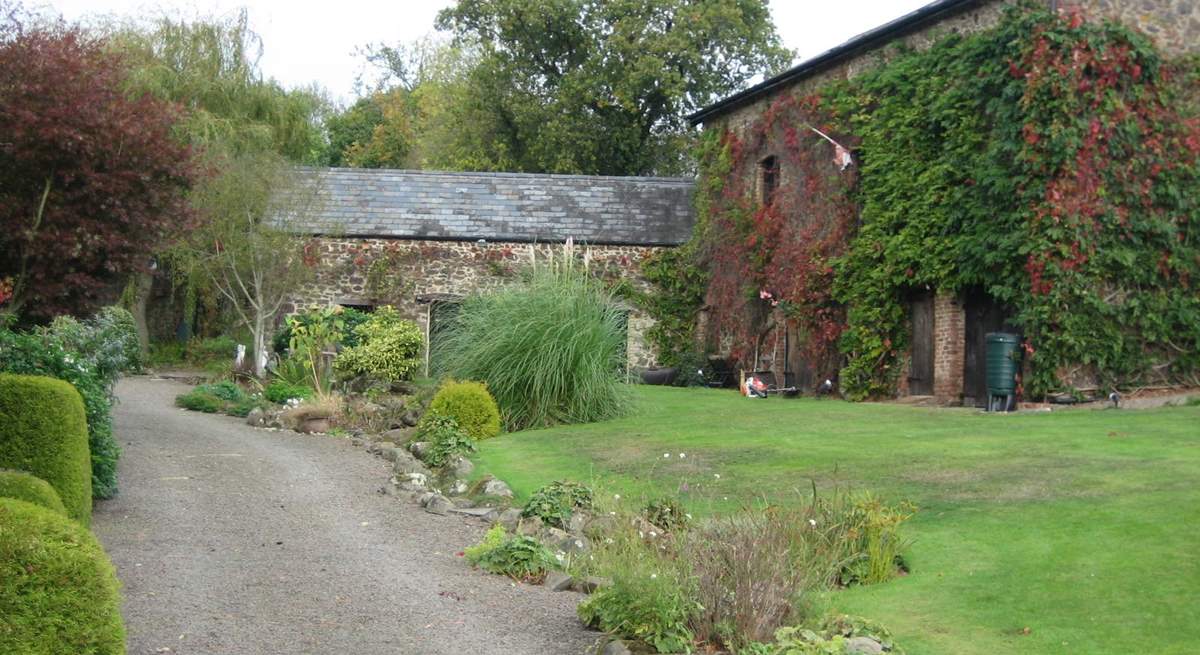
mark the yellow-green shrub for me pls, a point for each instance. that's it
(389, 348)
(43, 430)
(24, 486)
(58, 590)
(470, 405)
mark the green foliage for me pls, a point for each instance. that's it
(43, 431)
(520, 558)
(879, 542)
(493, 539)
(377, 131)
(108, 341)
(44, 354)
(542, 93)
(470, 405)
(321, 329)
(555, 502)
(60, 591)
(280, 392)
(831, 638)
(549, 347)
(31, 489)
(220, 397)
(666, 513)
(446, 438)
(389, 348)
(679, 287)
(351, 318)
(201, 351)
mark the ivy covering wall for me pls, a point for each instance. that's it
(1050, 161)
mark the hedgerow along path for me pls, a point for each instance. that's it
(235, 540)
(1079, 525)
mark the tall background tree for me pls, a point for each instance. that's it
(93, 178)
(575, 86)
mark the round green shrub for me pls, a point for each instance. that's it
(389, 348)
(31, 489)
(200, 401)
(60, 592)
(280, 392)
(470, 405)
(43, 430)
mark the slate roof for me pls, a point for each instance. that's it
(499, 206)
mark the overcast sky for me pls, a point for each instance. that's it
(307, 41)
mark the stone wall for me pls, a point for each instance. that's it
(409, 274)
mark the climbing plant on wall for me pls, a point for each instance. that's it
(1050, 161)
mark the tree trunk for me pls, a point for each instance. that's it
(143, 282)
(260, 344)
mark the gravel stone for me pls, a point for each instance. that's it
(235, 540)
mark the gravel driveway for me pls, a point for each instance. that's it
(235, 540)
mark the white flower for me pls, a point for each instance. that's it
(717, 476)
(812, 523)
(689, 516)
(612, 513)
(578, 544)
(653, 576)
(608, 540)
(653, 534)
(666, 455)
(682, 455)
(616, 496)
(641, 535)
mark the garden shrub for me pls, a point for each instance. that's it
(351, 319)
(470, 405)
(520, 558)
(44, 354)
(108, 341)
(667, 514)
(446, 440)
(202, 351)
(832, 636)
(554, 503)
(43, 431)
(224, 397)
(880, 544)
(493, 539)
(279, 392)
(389, 348)
(550, 348)
(60, 593)
(31, 489)
(200, 401)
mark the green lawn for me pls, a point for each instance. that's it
(1083, 526)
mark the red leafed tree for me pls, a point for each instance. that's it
(91, 179)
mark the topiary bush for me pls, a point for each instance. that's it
(60, 593)
(30, 488)
(43, 431)
(551, 348)
(44, 354)
(389, 348)
(470, 405)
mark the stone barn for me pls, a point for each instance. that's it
(421, 241)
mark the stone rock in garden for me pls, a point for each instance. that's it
(256, 418)
(557, 581)
(412, 481)
(399, 436)
(577, 522)
(457, 488)
(438, 504)
(424, 498)
(863, 646)
(405, 463)
(463, 502)
(461, 467)
(599, 526)
(615, 647)
(389, 452)
(591, 583)
(648, 531)
(357, 442)
(553, 535)
(574, 546)
(530, 526)
(485, 513)
(410, 418)
(419, 448)
(509, 518)
(497, 488)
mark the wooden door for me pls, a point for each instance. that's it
(920, 375)
(983, 315)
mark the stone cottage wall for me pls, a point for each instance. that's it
(407, 274)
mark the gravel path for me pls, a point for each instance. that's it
(235, 540)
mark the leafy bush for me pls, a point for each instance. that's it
(495, 537)
(45, 354)
(60, 592)
(446, 440)
(225, 390)
(201, 351)
(469, 404)
(200, 401)
(666, 513)
(832, 637)
(351, 319)
(292, 371)
(879, 544)
(555, 502)
(31, 489)
(520, 558)
(280, 392)
(108, 341)
(389, 348)
(550, 348)
(43, 431)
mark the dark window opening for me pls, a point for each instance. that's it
(768, 179)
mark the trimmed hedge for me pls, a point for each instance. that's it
(28, 487)
(43, 430)
(60, 593)
(470, 405)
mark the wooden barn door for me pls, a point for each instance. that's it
(984, 315)
(920, 375)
